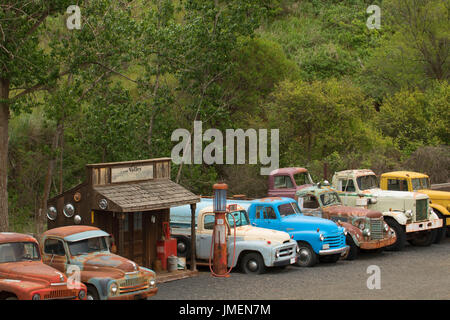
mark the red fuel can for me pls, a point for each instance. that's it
(167, 247)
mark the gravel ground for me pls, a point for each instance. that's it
(414, 273)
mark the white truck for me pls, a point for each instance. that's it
(256, 248)
(407, 213)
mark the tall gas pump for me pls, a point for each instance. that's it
(220, 230)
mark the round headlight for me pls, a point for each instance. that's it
(277, 254)
(36, 296)
(81, 295)
(386, 227)
(321, 237)
(409, 213)
(113, 288)
(366, 232)
(152, 282)
(52, 213)
(69, 210)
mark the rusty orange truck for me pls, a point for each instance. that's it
(23, 275)
(84, 251)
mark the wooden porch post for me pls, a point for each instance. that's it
(121, 234)
(193, 239)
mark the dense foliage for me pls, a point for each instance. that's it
(342, 95)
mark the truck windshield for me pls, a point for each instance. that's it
(367, 182)
(87, 246)
(330, 198)
(240, 217)
(422, 183)
(288, 209)
(19, 251)
(302, 178)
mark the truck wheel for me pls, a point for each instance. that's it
(353, 252)
(400, 234)
(440, 233)
(92, 293)
(424, 239)
(253, 263)
(306, 255)
(183, 247)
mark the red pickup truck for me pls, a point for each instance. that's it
(23, 275)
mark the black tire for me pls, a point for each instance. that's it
(252, 263)
(441, 232)
(306, 256)
(332, 258)
(424, 238)
(353, 252)
(399, 232)
(183, 247)
(92, 293)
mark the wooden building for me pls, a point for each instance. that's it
(130, 200)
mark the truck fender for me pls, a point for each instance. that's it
(353, 231)
(440, 208)
(398, 216)
(102, 286)
(260, 247)
(19, 288)
(310, 237)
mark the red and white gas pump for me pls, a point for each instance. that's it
(219, 236)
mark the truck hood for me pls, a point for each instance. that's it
(436, 195)
(346, 211)
(300, 222)
(255, 233)
(104, 261)
(377, 192)
(32, 271)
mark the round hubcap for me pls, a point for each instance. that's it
(252, 265)
(181, 247)
(89, 297)
(304, 255)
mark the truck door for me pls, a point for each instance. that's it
(266, 217)
(283, 187)
(54, 254)
(204, 237)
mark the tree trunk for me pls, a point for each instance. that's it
(4, 121)
(41, 213)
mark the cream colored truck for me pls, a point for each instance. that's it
(407, 213)
(256, 248)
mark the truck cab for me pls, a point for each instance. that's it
(23, 275)
(255, 249)
(285, 182)
(317, 238)
(407, 213)
(420, 182)
(366, 228)
(84, 251)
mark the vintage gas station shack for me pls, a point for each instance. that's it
(130, 200)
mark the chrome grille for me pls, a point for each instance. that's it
(286, 252)
(60, 294)
(376, 229)
(133, 284)
(421, 209)
(335, 241)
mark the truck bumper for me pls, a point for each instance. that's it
(342, 251)
(285, 262)
(425, 225)
(376, 244)
(136, 296)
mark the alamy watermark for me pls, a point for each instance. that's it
(190, 149)
(374, 21)
(74, 20)
(374, 280)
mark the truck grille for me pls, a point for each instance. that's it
(286, 252)
(60, 294)
(133, 284)
(421, 209)
(335, 241)
(376, 229)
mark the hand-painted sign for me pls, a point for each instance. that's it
(133, 173)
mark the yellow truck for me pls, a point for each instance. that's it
(419, 182)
